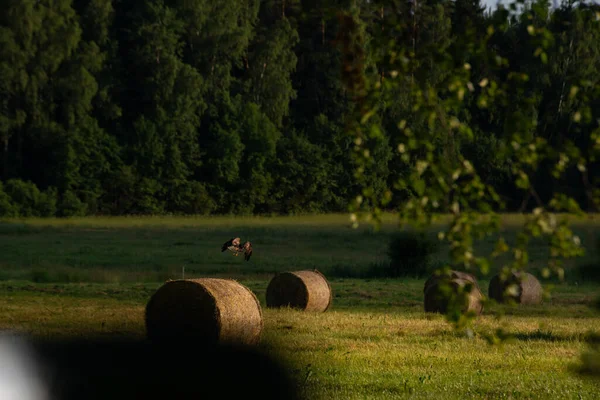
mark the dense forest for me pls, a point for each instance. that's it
(239, 106)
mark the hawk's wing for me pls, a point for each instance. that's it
(247, 251)
(226, 245)
(232, 244)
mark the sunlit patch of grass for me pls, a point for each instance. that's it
(366, 355)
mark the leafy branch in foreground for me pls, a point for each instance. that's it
(416, 85)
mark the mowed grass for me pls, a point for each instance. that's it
(375, 342)
(93, 277)
(150, 249)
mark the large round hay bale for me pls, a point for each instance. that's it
(451, 275)
(206, 311)
(305, 290)
(437, 295)
(528, 290)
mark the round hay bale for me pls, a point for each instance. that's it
(528, 291)
(451, 275)
(436, 298)
(305, 290)
(207, 311)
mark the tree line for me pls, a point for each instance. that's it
(121, 107)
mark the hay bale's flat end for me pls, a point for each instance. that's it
(527, 288)
(442, 293)
(306, 290)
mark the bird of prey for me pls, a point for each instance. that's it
(247, 247)
(232, 245)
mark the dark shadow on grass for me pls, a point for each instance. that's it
(550, 337)
(128, 368)
(378, 270)
(579, 309)
(538, 335)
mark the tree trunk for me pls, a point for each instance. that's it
(414, 38)
(524, 203)
(382, 28)
(20, 151)
(592, 206)
(5, 159)
(562, 91)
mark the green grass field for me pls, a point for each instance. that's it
(93, 276)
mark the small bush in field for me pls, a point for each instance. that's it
(590, 272)
(411, 254)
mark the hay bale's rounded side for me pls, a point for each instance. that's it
(240, 312)
(434, 301)
(305, 290)
(529, 290)
(206, 310)
(532, 291)
(451, 275)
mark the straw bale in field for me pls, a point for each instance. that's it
(528, 291)
(206, 310)
(305, 290)
(452, 275)
(437, 294)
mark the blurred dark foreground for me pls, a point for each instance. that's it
(136, 369)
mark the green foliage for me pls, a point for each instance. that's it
(301, 176)
(180, 94)
(71, 206)
(193, 198)
(28, 201)
(271, 61)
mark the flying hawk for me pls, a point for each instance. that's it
(233, 245)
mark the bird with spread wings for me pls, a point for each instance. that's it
(234, 246)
